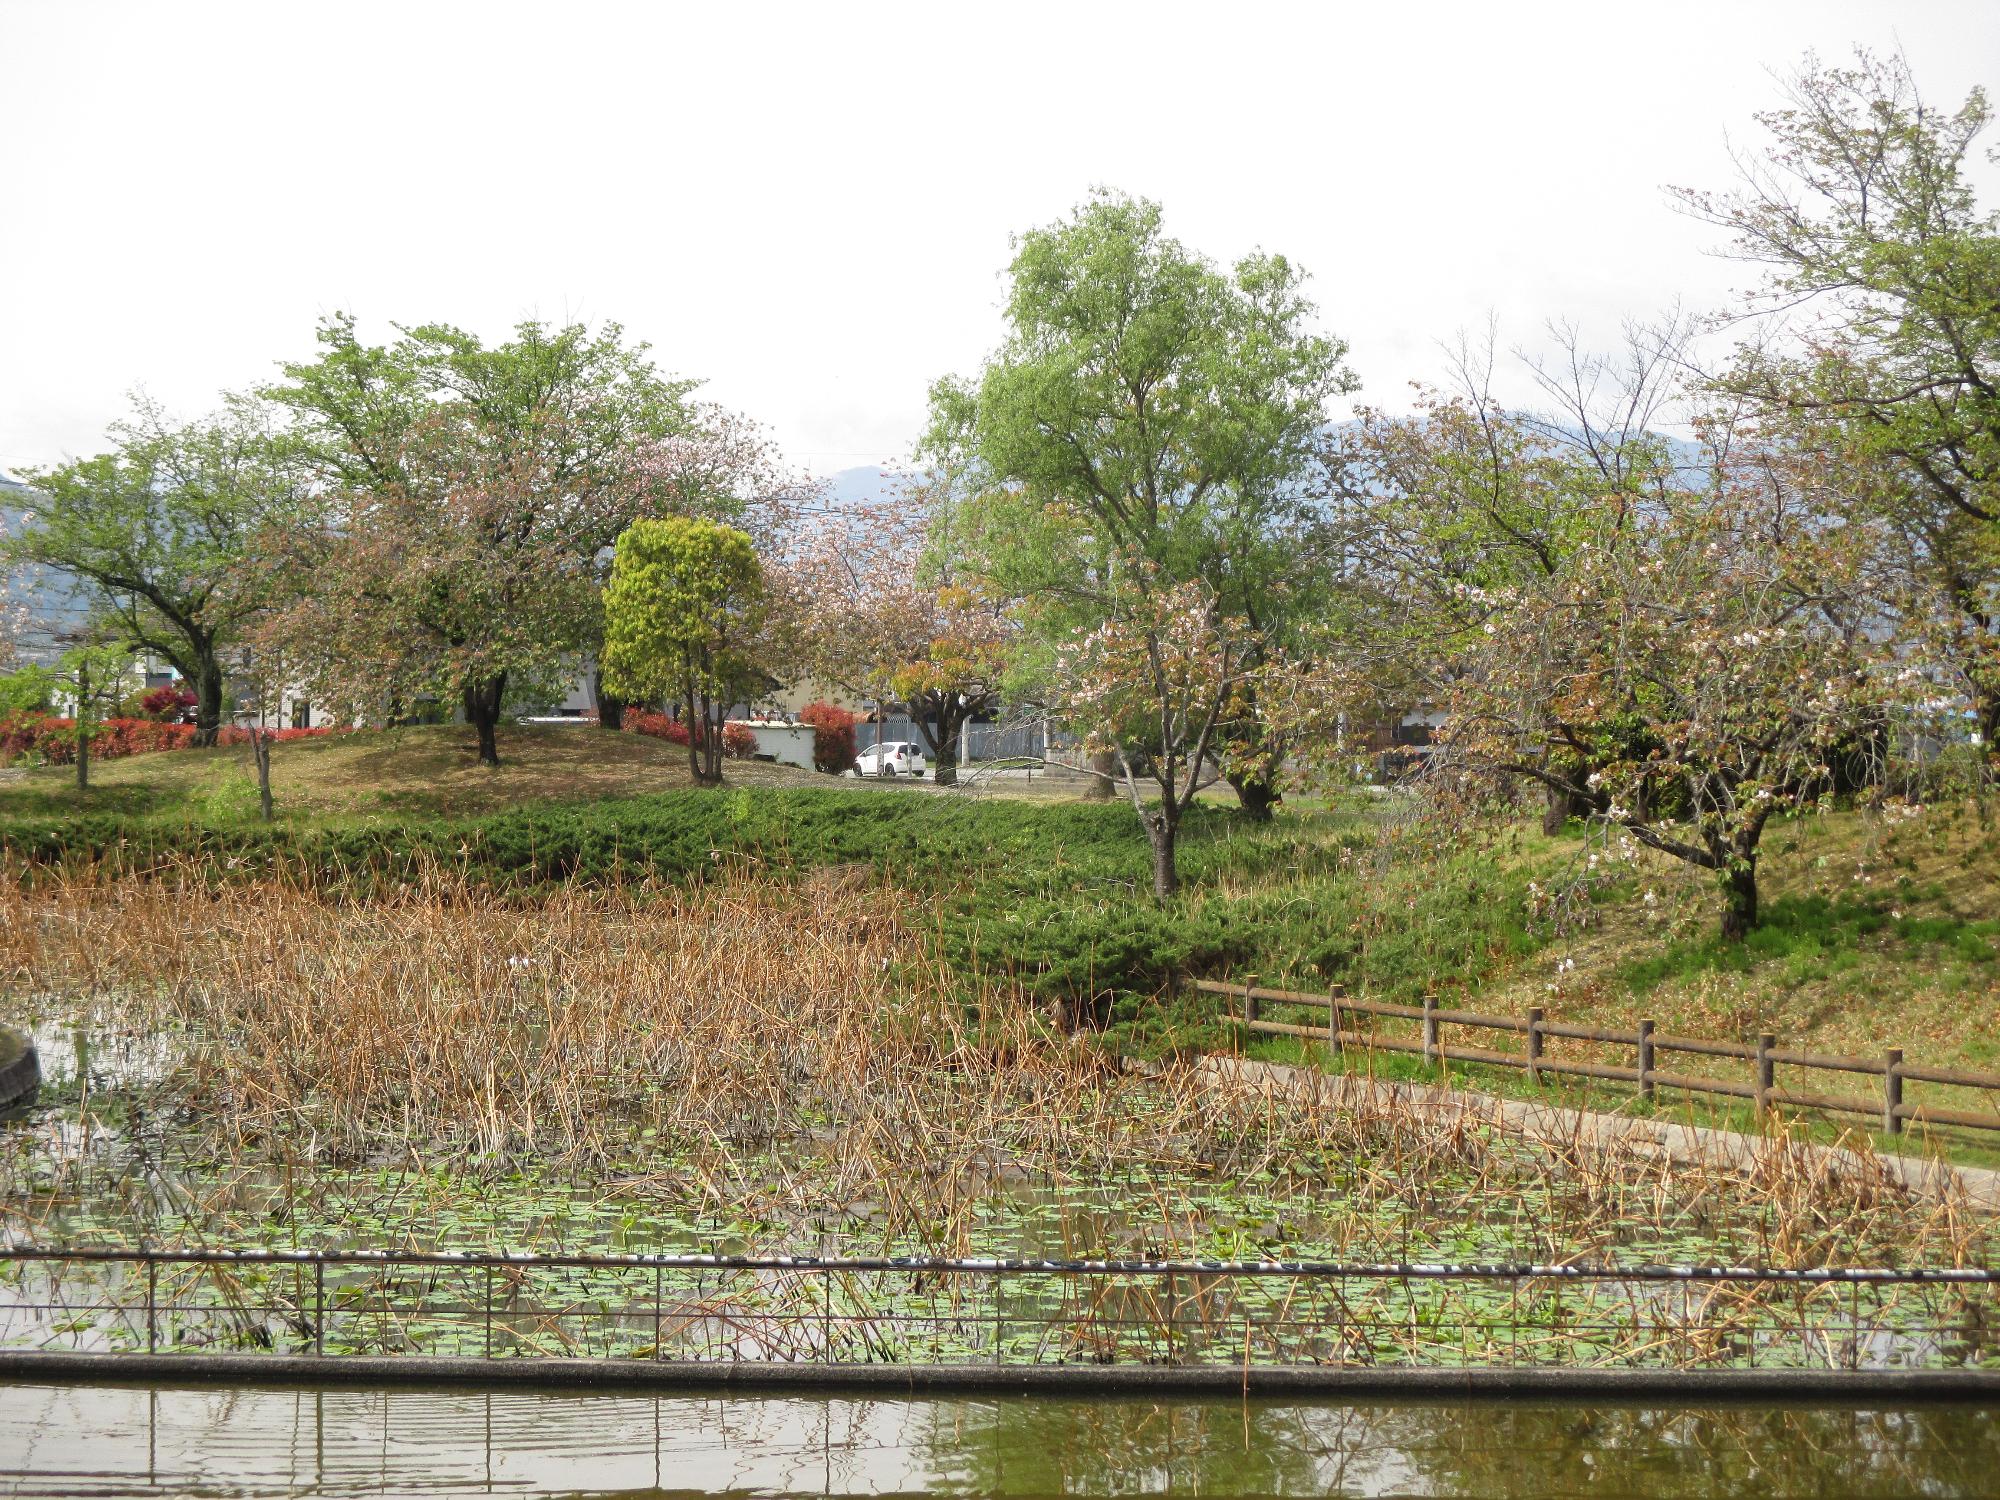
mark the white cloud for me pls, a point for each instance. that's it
(808, 205)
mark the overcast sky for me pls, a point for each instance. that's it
(808, 207)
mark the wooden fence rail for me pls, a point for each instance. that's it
(1647, 1043)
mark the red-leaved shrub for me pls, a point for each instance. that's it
(737, 740)
(833, 737)
(54, 738)
(233, 734)
(169, 702)
(658, 726)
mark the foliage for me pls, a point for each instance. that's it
(467, 496)
(28, 690)
(51, 739)
(162, 531)
(833, 737)
(655, 725)
(878, 605)
(1883, 276)
(1686, 674)
(1454, 504)
(683, 616)
(168, 702)
(1144, 426)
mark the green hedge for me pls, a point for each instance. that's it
(1054, 898)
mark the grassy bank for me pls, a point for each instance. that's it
(1876, 933)
(423, 770)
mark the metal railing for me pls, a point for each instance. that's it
(1890, 1110)
(746, 1310)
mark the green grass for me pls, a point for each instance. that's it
(1964, 1147)
(1812, 934)
(1874, 935)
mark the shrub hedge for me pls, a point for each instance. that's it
(52, 739)
(1051, 898)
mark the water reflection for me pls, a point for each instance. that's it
(214, 1441)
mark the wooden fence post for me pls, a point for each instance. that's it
(1892, 1094)
(1535, 1045)
(1431, 1058)
(1646, 1061)
(1249, 1005)
(1767, 1071)
(1333, 997)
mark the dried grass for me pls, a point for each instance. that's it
(765, 1047)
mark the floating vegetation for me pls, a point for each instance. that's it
(749, 1067)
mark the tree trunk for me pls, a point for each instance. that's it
(1257, 794)
(950, 733)
(1739, 893)
(83, 728)
(260, 750)
(610, 707)
(1103, 767)
(1560, 808)
(482, 712)
(704, 725)
(207, 698)
(1162, 829)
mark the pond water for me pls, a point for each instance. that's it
(209, 1441)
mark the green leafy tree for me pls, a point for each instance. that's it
(162, 530)
(1144, 426)
(683, 617)
(513, 468)
(1880, 334)
(95, 673)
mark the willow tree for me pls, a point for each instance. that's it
(683, 618)
(1145, 425)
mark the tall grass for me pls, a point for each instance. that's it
(774, 1051)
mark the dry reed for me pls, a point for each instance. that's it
(758, 1048)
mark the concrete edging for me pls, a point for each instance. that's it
(1857, 1387)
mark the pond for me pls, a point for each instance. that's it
(112, 1156)
(210, 1441)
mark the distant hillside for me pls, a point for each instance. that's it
(52, 600)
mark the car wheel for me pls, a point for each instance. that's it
(885, 769)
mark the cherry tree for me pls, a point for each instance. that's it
(1687, 673)
(881, 609)
(461, 574)
(1162, 670)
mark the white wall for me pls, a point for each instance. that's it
(788, 744)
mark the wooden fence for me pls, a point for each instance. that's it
(1766, 1057)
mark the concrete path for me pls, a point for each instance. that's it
(1976, 1188)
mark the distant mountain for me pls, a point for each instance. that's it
(53, 600)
